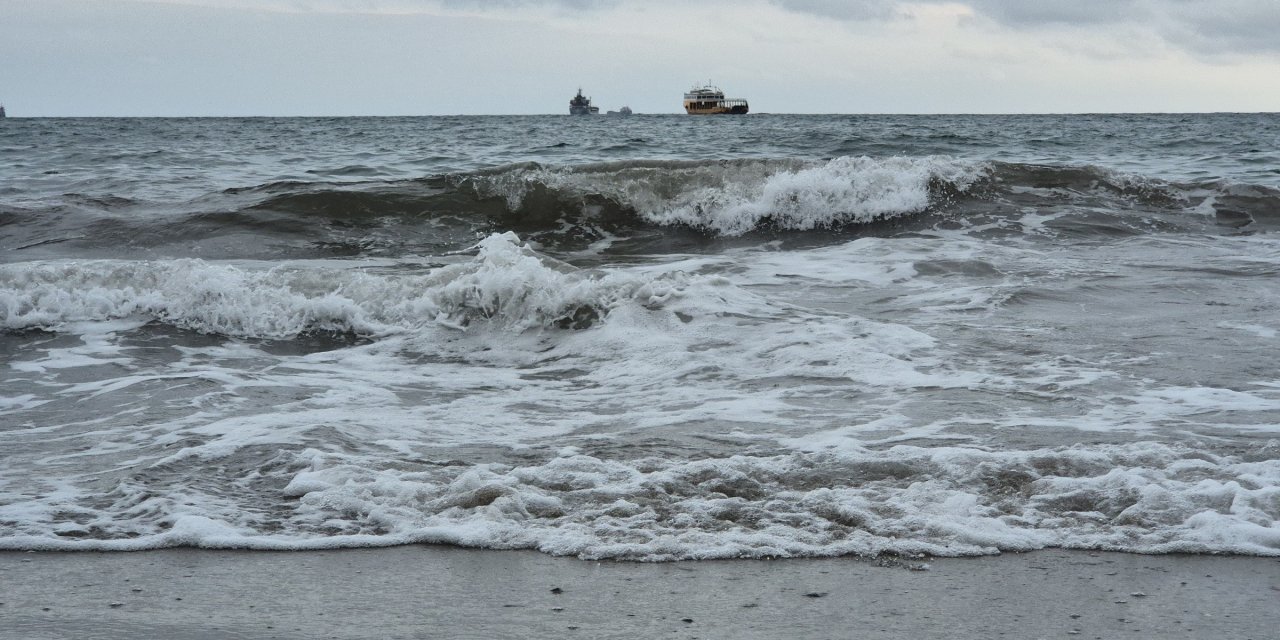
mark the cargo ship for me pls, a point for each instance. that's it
(709, 100)
(580, 105)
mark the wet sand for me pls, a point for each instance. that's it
(442, 592)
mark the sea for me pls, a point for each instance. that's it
(649, 338)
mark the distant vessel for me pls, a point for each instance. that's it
(2, 111)
(709, 100)
(580, 105)
(625, 111)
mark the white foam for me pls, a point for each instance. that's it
(241, 447)
(507, 284)
(21, 402)
(733, 198)
(844, 190)
(1255, 329)
(907, 500)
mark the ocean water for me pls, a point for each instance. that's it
(644, 338)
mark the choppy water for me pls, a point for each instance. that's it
(656, 337)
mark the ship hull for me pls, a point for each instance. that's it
(735, 110)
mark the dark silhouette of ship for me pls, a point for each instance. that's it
(2, 111)
(580, 105)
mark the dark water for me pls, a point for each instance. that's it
(654, 337)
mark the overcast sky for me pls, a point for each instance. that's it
(425, 57)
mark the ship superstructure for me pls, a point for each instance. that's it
(709, 100)
(580, 105)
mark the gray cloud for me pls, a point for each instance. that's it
(1218, 27)
(492, 4)
(1074, 12)
(843, 9)
(1223, 26)
(1232, 26)
(391, 6)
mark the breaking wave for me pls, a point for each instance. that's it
(906, 501)
(571, 206)
(506, 284)
(735, 197)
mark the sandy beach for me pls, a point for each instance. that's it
(442, 592)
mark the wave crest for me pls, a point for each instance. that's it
(506, 284)
(736, 197)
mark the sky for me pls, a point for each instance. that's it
(443, 57)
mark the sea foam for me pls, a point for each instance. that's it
(507, 284)
(735, 197)
(904, 501)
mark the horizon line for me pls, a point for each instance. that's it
(656, 113)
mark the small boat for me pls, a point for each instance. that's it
(703, 100)
(580, 105)
(625, 111)
(2, 111)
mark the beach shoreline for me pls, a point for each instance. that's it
(446, 592)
